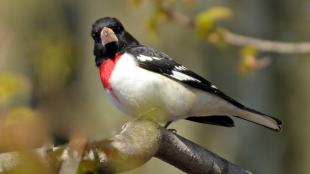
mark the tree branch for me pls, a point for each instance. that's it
(138, 142)
(267, 45)
(240, 40)
(192, 158)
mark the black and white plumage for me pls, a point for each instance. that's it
(147, 83)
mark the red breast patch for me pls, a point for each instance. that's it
(106, 70)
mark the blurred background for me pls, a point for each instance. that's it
(49, 84)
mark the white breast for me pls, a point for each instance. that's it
(143, 93)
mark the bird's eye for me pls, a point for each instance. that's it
(117, 29)
(96, 37)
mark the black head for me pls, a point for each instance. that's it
(110, 37)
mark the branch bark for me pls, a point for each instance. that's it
(138, 142)
(192, 158)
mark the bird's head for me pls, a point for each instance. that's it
(110, 37)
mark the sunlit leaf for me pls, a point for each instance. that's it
(157, 18)
(30, 163)
(135, 2)
(161, 16)
(13, 86)
(216, 37)
(206, 20)
(152, 26)
(190, 2)
(53, 61)
(21, 128)
(164, 3)
(88, 166)
(18, 115)
(249, 61)
(219, 13)
(248, 51)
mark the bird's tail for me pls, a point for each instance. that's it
(259, 118)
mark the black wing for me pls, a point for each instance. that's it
(156, 61)
(219, 120)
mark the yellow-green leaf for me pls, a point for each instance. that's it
(135, 2)
(248, 61)
(205, 21)
(12, 86)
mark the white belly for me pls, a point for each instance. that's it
(142, 93)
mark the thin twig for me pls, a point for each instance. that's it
(240, 40)
(267, 45)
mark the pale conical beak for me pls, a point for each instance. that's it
(107, 36)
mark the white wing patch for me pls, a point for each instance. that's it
(182, 77)
(180, 68)
(144, 58)
(213, 86)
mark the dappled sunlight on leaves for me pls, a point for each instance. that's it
(190, 2)
(205, 21)
(13, 86)
(20, 129)
(53, 61)
(162, 2)
(217, 38)
(155, 20)
(135, 2)
(249, 61)
(30, 163)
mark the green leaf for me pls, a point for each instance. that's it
(13, 86)
(248, 60)
(54, 60)
(205, 21)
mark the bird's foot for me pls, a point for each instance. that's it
(167, 124)
(174, 131)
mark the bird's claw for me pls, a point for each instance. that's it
(174, 131)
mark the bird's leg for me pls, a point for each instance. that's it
(59, 140)
(167, 124)
(172, 130)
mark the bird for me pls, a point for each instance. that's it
(146, 83)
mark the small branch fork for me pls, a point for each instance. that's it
(244, 41)
(138, 142)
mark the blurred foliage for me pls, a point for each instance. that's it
(12, 87)
(159, 14)
(155, 20)
(40, 56)
(21, 128)
(53, 59)
(249, 61)
(30, 163)
(135, 2)
(206, 21)
(88, 166)
(206, 25)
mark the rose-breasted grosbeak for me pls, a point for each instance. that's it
(146, 83)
